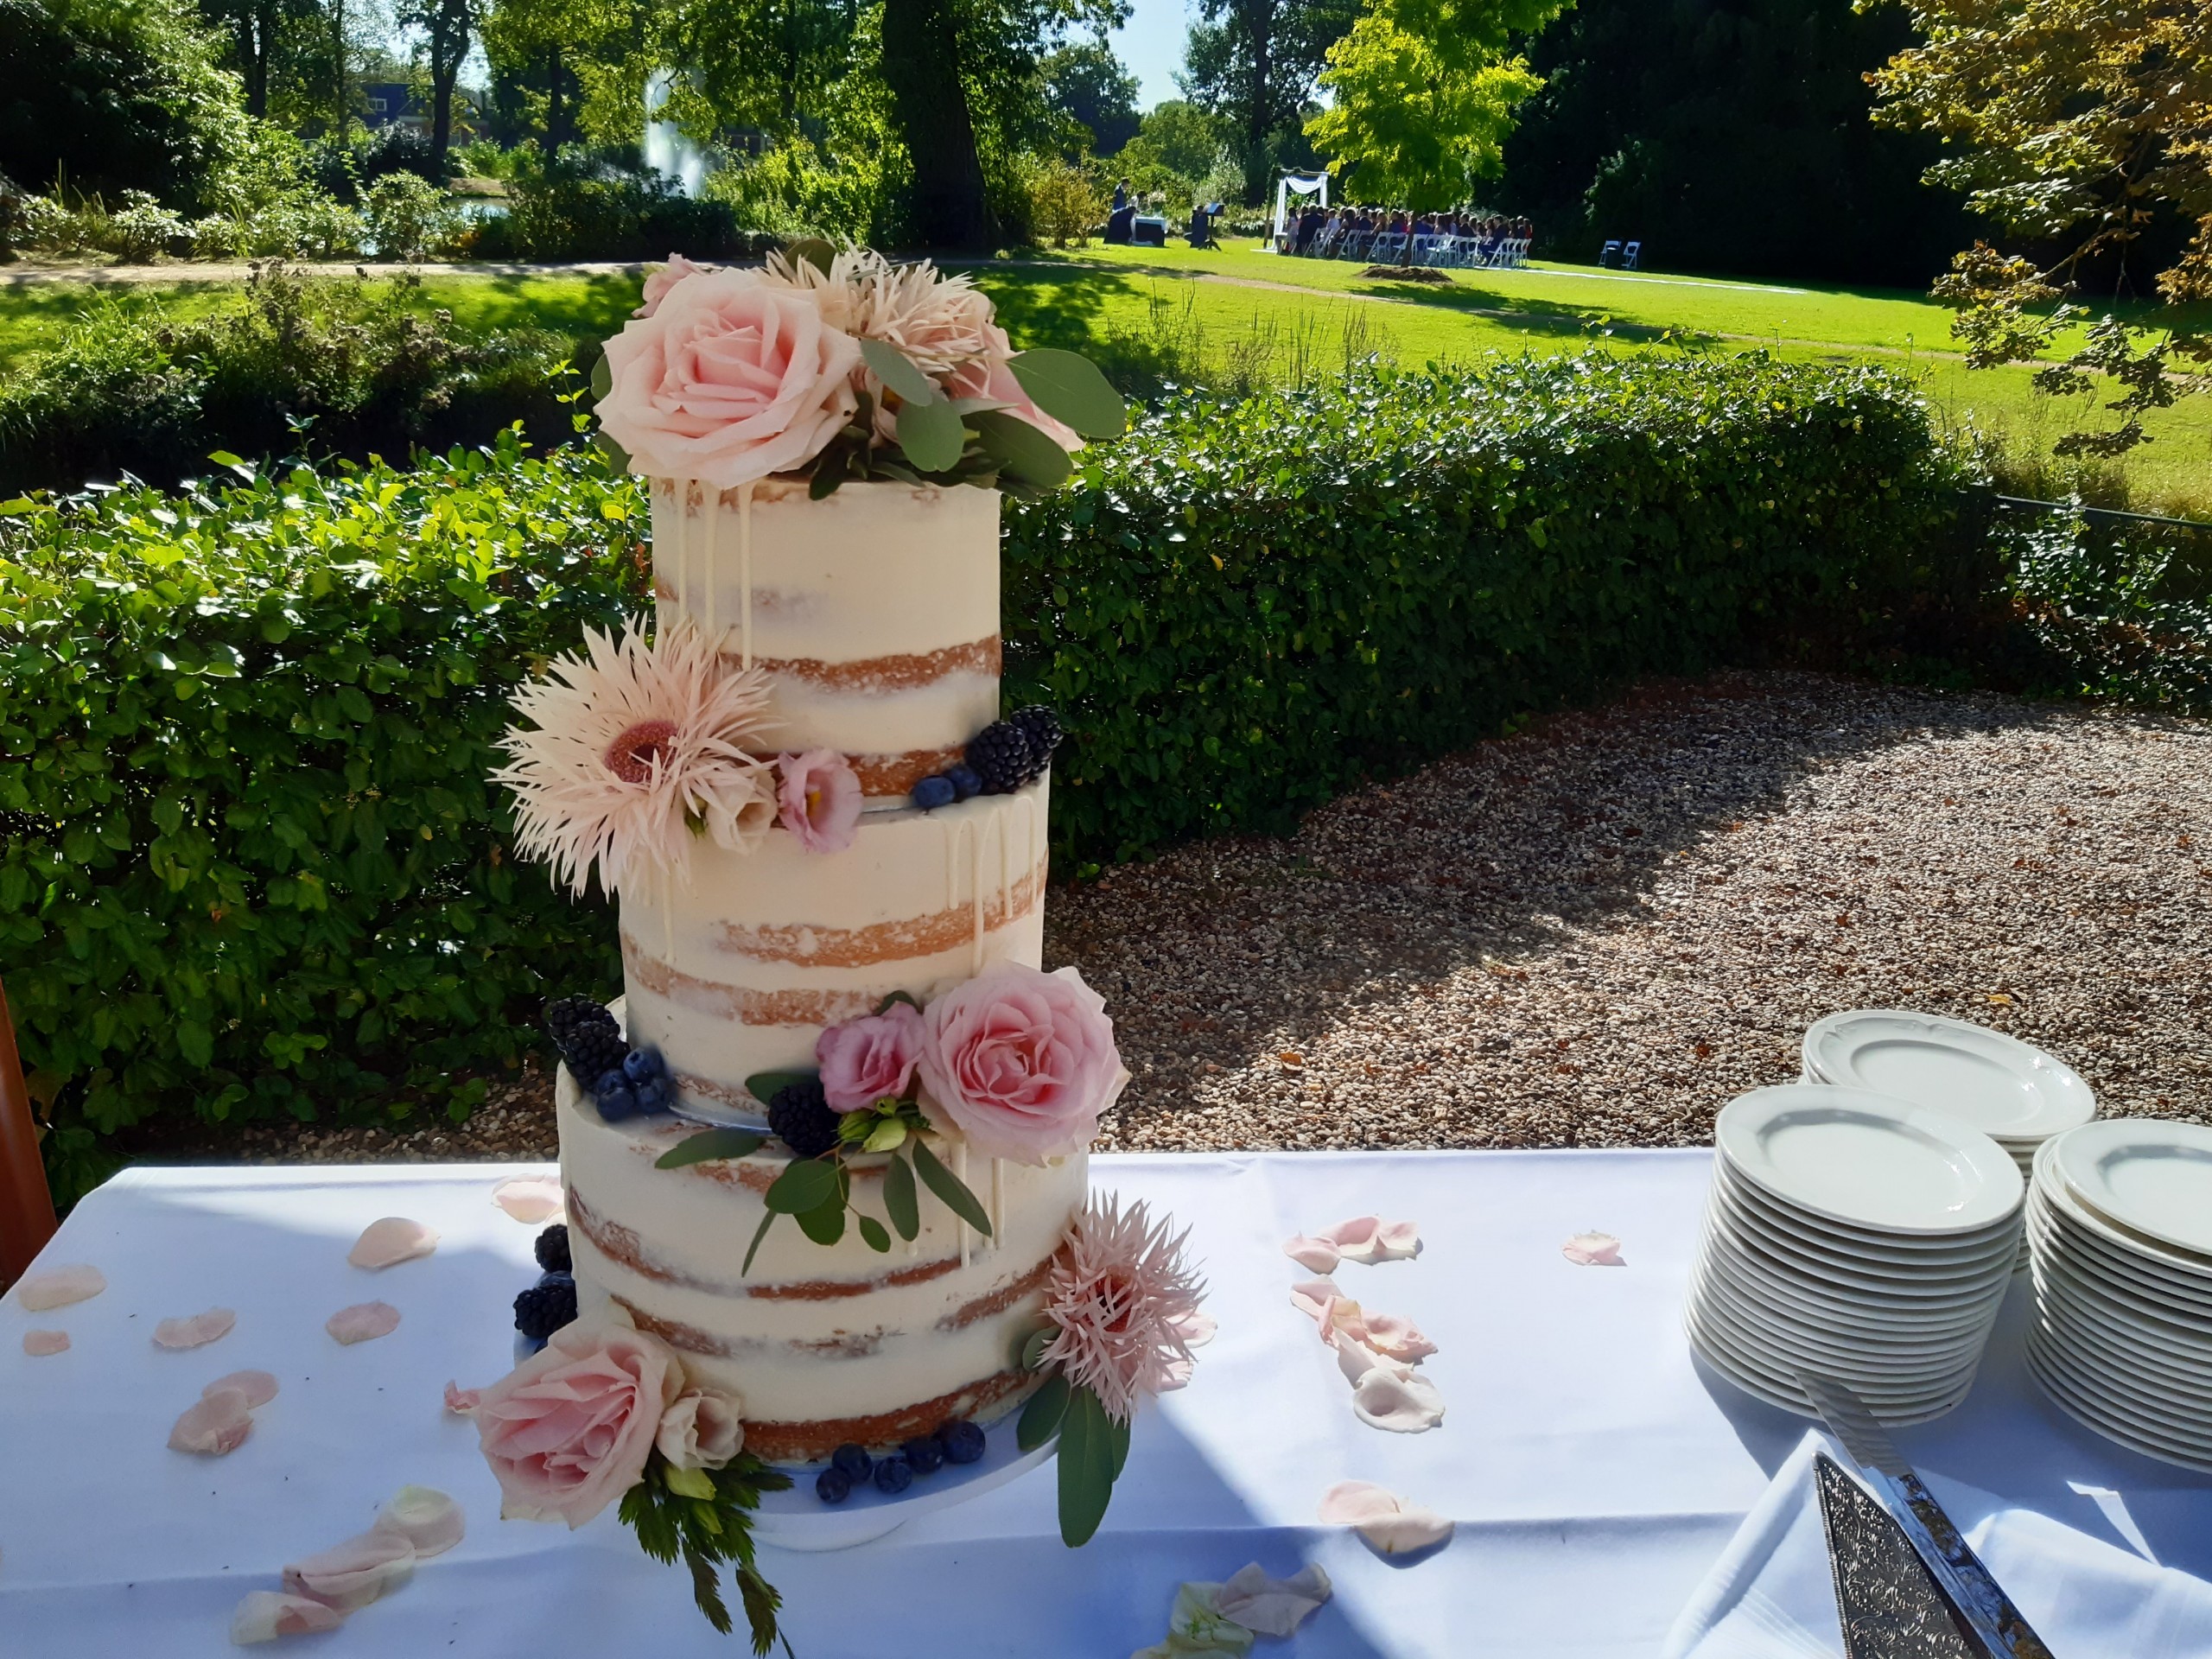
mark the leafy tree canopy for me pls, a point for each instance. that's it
(1253, 64)
(1085, 83)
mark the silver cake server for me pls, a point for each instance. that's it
(1987, 1610)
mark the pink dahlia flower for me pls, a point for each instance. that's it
(819, 800)
(1021, 1062)
(865, 1059)
(1122, 1296)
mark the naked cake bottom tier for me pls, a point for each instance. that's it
(823, 1345)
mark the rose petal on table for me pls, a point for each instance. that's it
(461, 1401)
(1272, 1606)
(1195, 1629)
(1411, 1529)
(1311, 1297)
(1396, 1336)
(1395, 1398)
(354, 1573)
(1354, 1503)
(265, 1615)
(60, 1286)
(1593, 1251)
(1356, 1359)
(388, 1243)
(1396, 1240)
(363, 1321)
(1197, 1329)
(216, 1423)
(529, 1198)
(1370, 1239)
(426, 1518)
(196, 1331)
(39, 1344)
(1315, 1255)
(258, 1386)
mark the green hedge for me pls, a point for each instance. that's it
(1245, 612)
(249, 862)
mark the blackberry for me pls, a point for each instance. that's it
(543, 1309)
(570, 1016)
(592, 1052)
(1041, 726)
(1000, 755)
(800, 1116)
(552, 1249)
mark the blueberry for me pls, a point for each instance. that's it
(833, 1485)
(616, 1099)
(894, 1476)
(965, 780)
(652, 1095)
(933, 792)
(926, 1454)
(854, 1460)
(963, 1442)
(556, 1277)
(641, 1064)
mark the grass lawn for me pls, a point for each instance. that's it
(1248, 315)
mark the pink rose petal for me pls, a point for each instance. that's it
(1272, 1606)
(1196, 1328)
(59, 1287)
(1370, 1238)
(1341, 1318)
(427, 1520)
(388, 1243)
(354, 1573)
(1315, 1255)
(265, 1615)
(1356, 1359)
(1397, 1399)
(258, 1386)
(216, 1423)
(363, 1322)
(1593, 1251)
(1398, 1239)
(39, 1344)
(1389, 1524)
(1354, 1503)
(529, 1199)
(1399, 1337)
(1311, 1297)
(197, 1332)
(461, 1401)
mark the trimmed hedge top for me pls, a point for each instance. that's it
(250, 863)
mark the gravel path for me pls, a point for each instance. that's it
(1597, 932)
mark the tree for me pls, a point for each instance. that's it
(1084, 83)
(924, 63)
(1253, 63)
(1177, 136)
(1413, 119)
(449, 26)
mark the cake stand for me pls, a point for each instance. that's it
(798, 1520)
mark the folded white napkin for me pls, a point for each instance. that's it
(1771, 1594)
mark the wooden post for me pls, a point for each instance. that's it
(26, 1205)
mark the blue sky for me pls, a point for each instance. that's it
(1150, 45)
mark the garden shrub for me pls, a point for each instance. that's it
(249, 862)
(2118, 607)
(291, 365)
(582, 204)
(409, 220)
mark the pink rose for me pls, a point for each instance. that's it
(700, 1431)
(988, 376)
(729, 380)
(1021, 1062)
(661, 279)
(819, 800)
(568, 1431)
(864, 1059)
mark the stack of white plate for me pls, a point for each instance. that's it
(2119, 1219)
(2017, 1095)
(1855, 1236)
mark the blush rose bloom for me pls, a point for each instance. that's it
(728, 381)
(988, 376)
(1021, 1062)
(568, 1431)
(700, 1430)
(864, 1059)
(661, 279)
(819, 800)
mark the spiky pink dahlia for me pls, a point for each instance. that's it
(636, 746)
(1121, 1295)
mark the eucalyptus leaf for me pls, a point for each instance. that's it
(825, 1222)
(894, 999)
(1041, 1416)
(602, 379)
(710, 1146)
(932, 436)
(1033, 1347)
(805, 1186)
(1020, 449)
(1071, 390)
(900, 1201)
(814, 250)
(754, 1248)
(763, 1085)
(613, 451)
(873, 1234)
(899, 371)
(951, 1191)
(1087, 1467)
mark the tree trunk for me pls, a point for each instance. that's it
(556, 113)
(1259, 23)
(921, 60)
(442, 82)
(340, 110)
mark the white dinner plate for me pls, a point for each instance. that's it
(1764, 1272)
(1939, 1253)
(2144, 1174)
(1788, 1351)
(2101, 1421)
(1996, 1083)
(2126, 1240)
(1869, 1160)
(2126, 1353)
(2048, 1231)
(1874, 1320)
(2144, 1405)
(1930, 1354)
(1787, 1259)
(1765, 1383)
(2147, 1319)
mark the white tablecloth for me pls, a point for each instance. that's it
(1595, 1471)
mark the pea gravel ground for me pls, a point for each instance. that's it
(1596, 933)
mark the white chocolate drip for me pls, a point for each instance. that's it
(745, 573)
(711, 522)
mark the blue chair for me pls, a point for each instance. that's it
(1607, 255)
(1628, 255)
